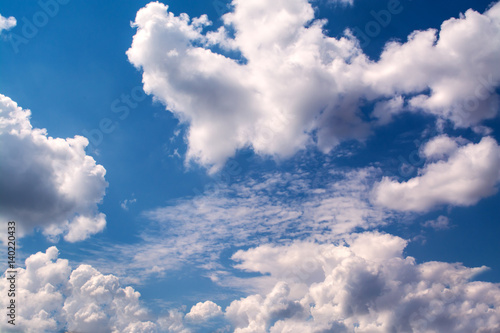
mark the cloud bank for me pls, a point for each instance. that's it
(362, 284)
(365, 285)
(272, 80)
(48, 183)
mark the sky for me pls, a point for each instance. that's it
(251, 166)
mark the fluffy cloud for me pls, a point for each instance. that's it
(47, 182)
(52, 297)
(461, 81)
(204, 311)
(360, 284)
(461, 177)
(365, 285)
(440, 147)
(7, 23)
(232, 102)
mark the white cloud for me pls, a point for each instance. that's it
(440, 147)
(385, 110)
(207, 90)
(97, 303)
(360, 284)
(173, 322)
(364, 286)
(470, 173)
(232, 104)
(441, 223)
(51, 297)
(7, 23)
(125, 203)
(48, 183)
(204, 311)
(342, 2)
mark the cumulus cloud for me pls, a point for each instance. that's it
(364, 285)
(232, 102)
(461, 81)
(51, 297)
(385, 110)
(173, 322)
(7, 23)
(462, 177)
(359, 284)
(440, 147)
(48, 183)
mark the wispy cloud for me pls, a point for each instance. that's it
(125, 203)
(277, 207)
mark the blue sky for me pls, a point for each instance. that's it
(242, 156)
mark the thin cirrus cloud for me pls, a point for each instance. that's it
(461, 176)
(48, 183)
(323, 207)
(278, 207)
(232, 104)
(363, 283)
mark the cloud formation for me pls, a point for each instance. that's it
(365, 285)
(7, 23)
(204, 311)
(320, 206)
(359, 284)
(441, 223)
(461, 176)
(48, 183)
(235, 97)
(52, 297)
